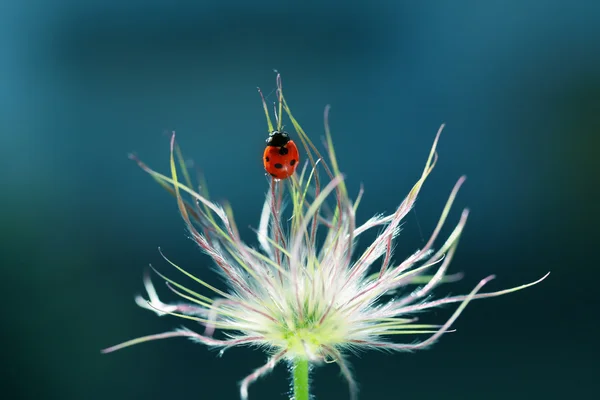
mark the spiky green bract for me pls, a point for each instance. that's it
(303, 296)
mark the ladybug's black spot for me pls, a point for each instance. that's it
(292, 162)
(267, 159)
(278, 166)
(273, 175)
(283, 151)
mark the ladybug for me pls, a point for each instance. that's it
(281, 155)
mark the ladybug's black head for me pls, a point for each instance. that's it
(278, 139)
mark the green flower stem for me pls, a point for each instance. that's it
(301, 391)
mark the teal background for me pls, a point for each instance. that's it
(84, 83)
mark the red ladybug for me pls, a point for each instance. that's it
(281, 155)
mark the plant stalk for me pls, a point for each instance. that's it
(301, 390)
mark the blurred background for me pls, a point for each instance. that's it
(85, 83)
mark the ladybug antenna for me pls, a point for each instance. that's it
(264, 103)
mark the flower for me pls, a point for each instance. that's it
(303, 295)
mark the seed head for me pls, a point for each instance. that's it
(303, 293)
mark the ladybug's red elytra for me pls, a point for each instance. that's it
(281, 155)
